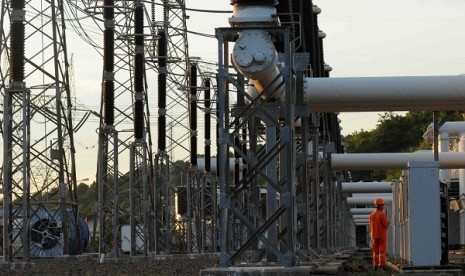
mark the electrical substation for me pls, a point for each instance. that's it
(241, 158)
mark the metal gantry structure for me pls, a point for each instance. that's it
(270, 188)
(38, 144)
(173, 119)
(124, 100)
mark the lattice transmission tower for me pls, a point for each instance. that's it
(39, 172)
(125, 147)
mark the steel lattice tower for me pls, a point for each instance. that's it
(37, 130)
(124, 156)
(174, 132)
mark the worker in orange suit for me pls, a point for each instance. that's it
(378, 232)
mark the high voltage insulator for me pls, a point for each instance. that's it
(17, 4)
(193, 113)
(109, 102)
(108, 10)
(207, 126)
(17, 41)
(162, 90)
(108, 49)
(108, 62)
(139, 72)
(139, 119)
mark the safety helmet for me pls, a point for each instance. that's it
(379, 201)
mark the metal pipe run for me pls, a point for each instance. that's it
(361, 217)
(366, 200)
(451, 128)
(366, 187)
(431, 93)
(373, 161)
(360, 211)
(213, 164)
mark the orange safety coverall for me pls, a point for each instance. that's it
(378, 229)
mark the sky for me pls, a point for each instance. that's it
(364, 38)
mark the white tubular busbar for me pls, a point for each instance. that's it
(452, 128)
(433, 93)
(201, 164)
(366, 187)
(386, 161)
(361, 211)
(361, 217)
(365, 200)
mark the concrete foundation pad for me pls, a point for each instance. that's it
(330, 268)
(426, 270)
(256, 271)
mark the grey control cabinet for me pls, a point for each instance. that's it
(420, 214)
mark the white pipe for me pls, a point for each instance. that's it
(361, 217)
(446, 131)
(365, 200)
(452, 128)
(373, 195)
(360, 211)
(201, 164)
(366, 187)
(443, 145)
(371, 161)
(433, 93)
(361, 220)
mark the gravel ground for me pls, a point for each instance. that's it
(359, 264)
(91, 266)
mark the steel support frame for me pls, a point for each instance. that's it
(281, 149)
(164, 205)
(209, 213)
(303, 168)
(315, 201)
(194, 219)
(139, 190)
(16, 173)
(108, 211)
